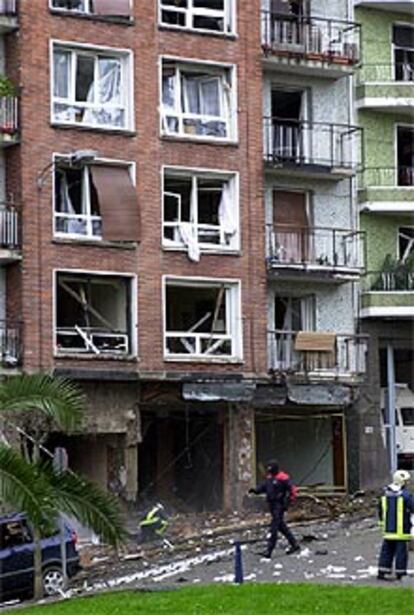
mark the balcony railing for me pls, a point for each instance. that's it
(322, 248)
(299, 143)
(9, 228)
(384, 73)
(10, 344)
(399, 280)
(8, 7)
(391, 177)
(346, 358)
(312, 38)
(9, 115)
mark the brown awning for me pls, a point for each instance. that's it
(118, 203)
(315, 341)
(113, 8)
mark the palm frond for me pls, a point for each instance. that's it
(24, 488)
(57, 398)
(88, 503)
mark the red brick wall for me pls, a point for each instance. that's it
(40, 140)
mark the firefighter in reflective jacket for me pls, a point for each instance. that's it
(154, 523)
(395, 508)
(280, 493)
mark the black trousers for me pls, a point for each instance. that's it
(390, 550)
(278, 525)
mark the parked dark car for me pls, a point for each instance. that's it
(16, 558)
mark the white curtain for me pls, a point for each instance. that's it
(109, 93)
(191, 95)
(66, 205)
(226, 211)
(210, 96)
(307, 313)
(189, 238)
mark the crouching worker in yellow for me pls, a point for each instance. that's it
(395, 509)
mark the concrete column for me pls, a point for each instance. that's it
(238, 454)
(131, 467)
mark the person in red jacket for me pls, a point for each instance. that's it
(280, 493)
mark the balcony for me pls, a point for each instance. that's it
(317, 355)
(9, 124)
(311, 149)
(388, 294)
(388, 88)
(323, 254)
(310, 45)
(10, 345)
(8, 16)
(387, 190)
(9, 235)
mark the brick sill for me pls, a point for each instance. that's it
(92, 17)
(113, 131)
(201, 140)
(222, 35)
(96, 244)
(208, 361)
(96, 357)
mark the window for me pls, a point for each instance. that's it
(95, 201)
(202, 320)
(14, 533)
(200, 211)
(104, 8)
(405, 155)
(94, 314)
(407, 416)
(406, 243)
(197, 100)
(91, 88)
(403, 39)
(206, 15)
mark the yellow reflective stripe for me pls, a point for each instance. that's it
(400, 516)
(383, 510)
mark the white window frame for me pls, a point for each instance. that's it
(228, 15)
(395, 47)
(86, 10)
(410, 251)
(228, 103)
(127, 84)
(132, 277)
(88, 217)
(233, 320)
(232, 177)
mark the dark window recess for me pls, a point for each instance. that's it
(93, 314)
(407, 416)
(405, 155)
(403, 39)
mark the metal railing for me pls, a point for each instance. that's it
(325, 248)
(10, 344)
(9, 115)
(392, 177)
(399, 280)
(386, 73)
(9, 227)
(348, 357)
(296, 142)
(313, 38)
(8, 7)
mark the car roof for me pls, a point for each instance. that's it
(12, 517)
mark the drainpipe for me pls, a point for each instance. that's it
(392, 443)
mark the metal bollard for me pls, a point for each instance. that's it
(238, 563)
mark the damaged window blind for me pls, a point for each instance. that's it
(118, 203)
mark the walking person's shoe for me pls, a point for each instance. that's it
(399, 576)
(381, 576)
(292, 549)
(265, 554)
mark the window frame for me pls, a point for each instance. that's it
(234, 328)
(194, 173)
(229, 15)
(126, 58)
(89, 13)
(228, 103)
(130, 165)
(397, 126)
(395, 48)
(399, 233)
(133, 311)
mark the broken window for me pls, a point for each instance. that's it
(403, 39)
(109, 8)
(288, 108)
(90, 88)
(210, 15)
(202, 320)
(291, 314)
(196, 100)
(405, 155)
(94, 201)
(200, 211)
(406, 243)
(93, 314)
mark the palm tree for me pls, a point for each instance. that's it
(43, 402)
